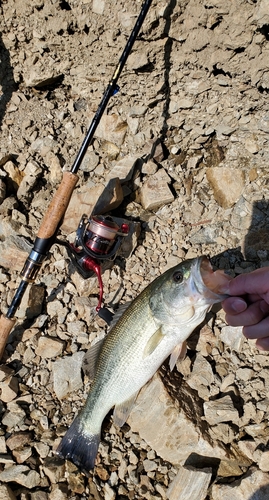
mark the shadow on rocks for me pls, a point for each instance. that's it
(167, 65)
(168, 46)
(201, 461)
(254, 251)
(251, 254)
(261, 494)
(256, 245)
(7, 83)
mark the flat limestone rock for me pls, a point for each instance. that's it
(264, 461)
(201, 375)
(123, 169)
(3, 448)
(166, 429)
(11, 257)
(98, 6)
(220, 410)
(94, 200)
(111, 128)
(190, 484)
(253, 486)
(31, 305)
(262, 13)
(137, 60)
(155, 191)
(40, 77)
(232, 336)
(14, 249)
(18, 439)
(54, 468)
(48, 347)
(227, 184)
(67, 374)
(14, 416)
(9, 389)
(20, 474)
(6, 493)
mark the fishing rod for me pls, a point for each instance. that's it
(51, 222)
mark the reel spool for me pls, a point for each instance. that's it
(98, 239)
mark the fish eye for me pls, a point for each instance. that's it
(178, 277)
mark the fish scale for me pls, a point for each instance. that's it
(159, 320)
(113, 365)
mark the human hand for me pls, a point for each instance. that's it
(248, 305)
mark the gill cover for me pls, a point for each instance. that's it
(170, 294)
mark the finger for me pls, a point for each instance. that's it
(251, 316)
(234, 305)
(263, 344)
(255, 282)
(253, 297)
(258, 331)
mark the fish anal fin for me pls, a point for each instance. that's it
(153, 342)
(90, 359)
(178, 354)
(123, 410)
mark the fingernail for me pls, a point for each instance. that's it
(238, 305)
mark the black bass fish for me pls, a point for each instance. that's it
(155, 325)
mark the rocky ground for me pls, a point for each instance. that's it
(182, 154)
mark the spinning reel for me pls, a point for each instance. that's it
(98, 239)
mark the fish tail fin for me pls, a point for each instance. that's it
(79, 446)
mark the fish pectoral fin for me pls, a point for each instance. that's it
(123, 410)
(90, 359)
(178, 353)
(153, 342)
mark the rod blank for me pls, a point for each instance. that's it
(57, 208)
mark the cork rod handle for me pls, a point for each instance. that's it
(6, 326)
(58, 206)
(47, 230)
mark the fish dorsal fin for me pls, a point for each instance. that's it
(90, 359)
(123, 410)
(178, 353)
(153, 342)
(117, 315)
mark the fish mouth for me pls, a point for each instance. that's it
(213, 285)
